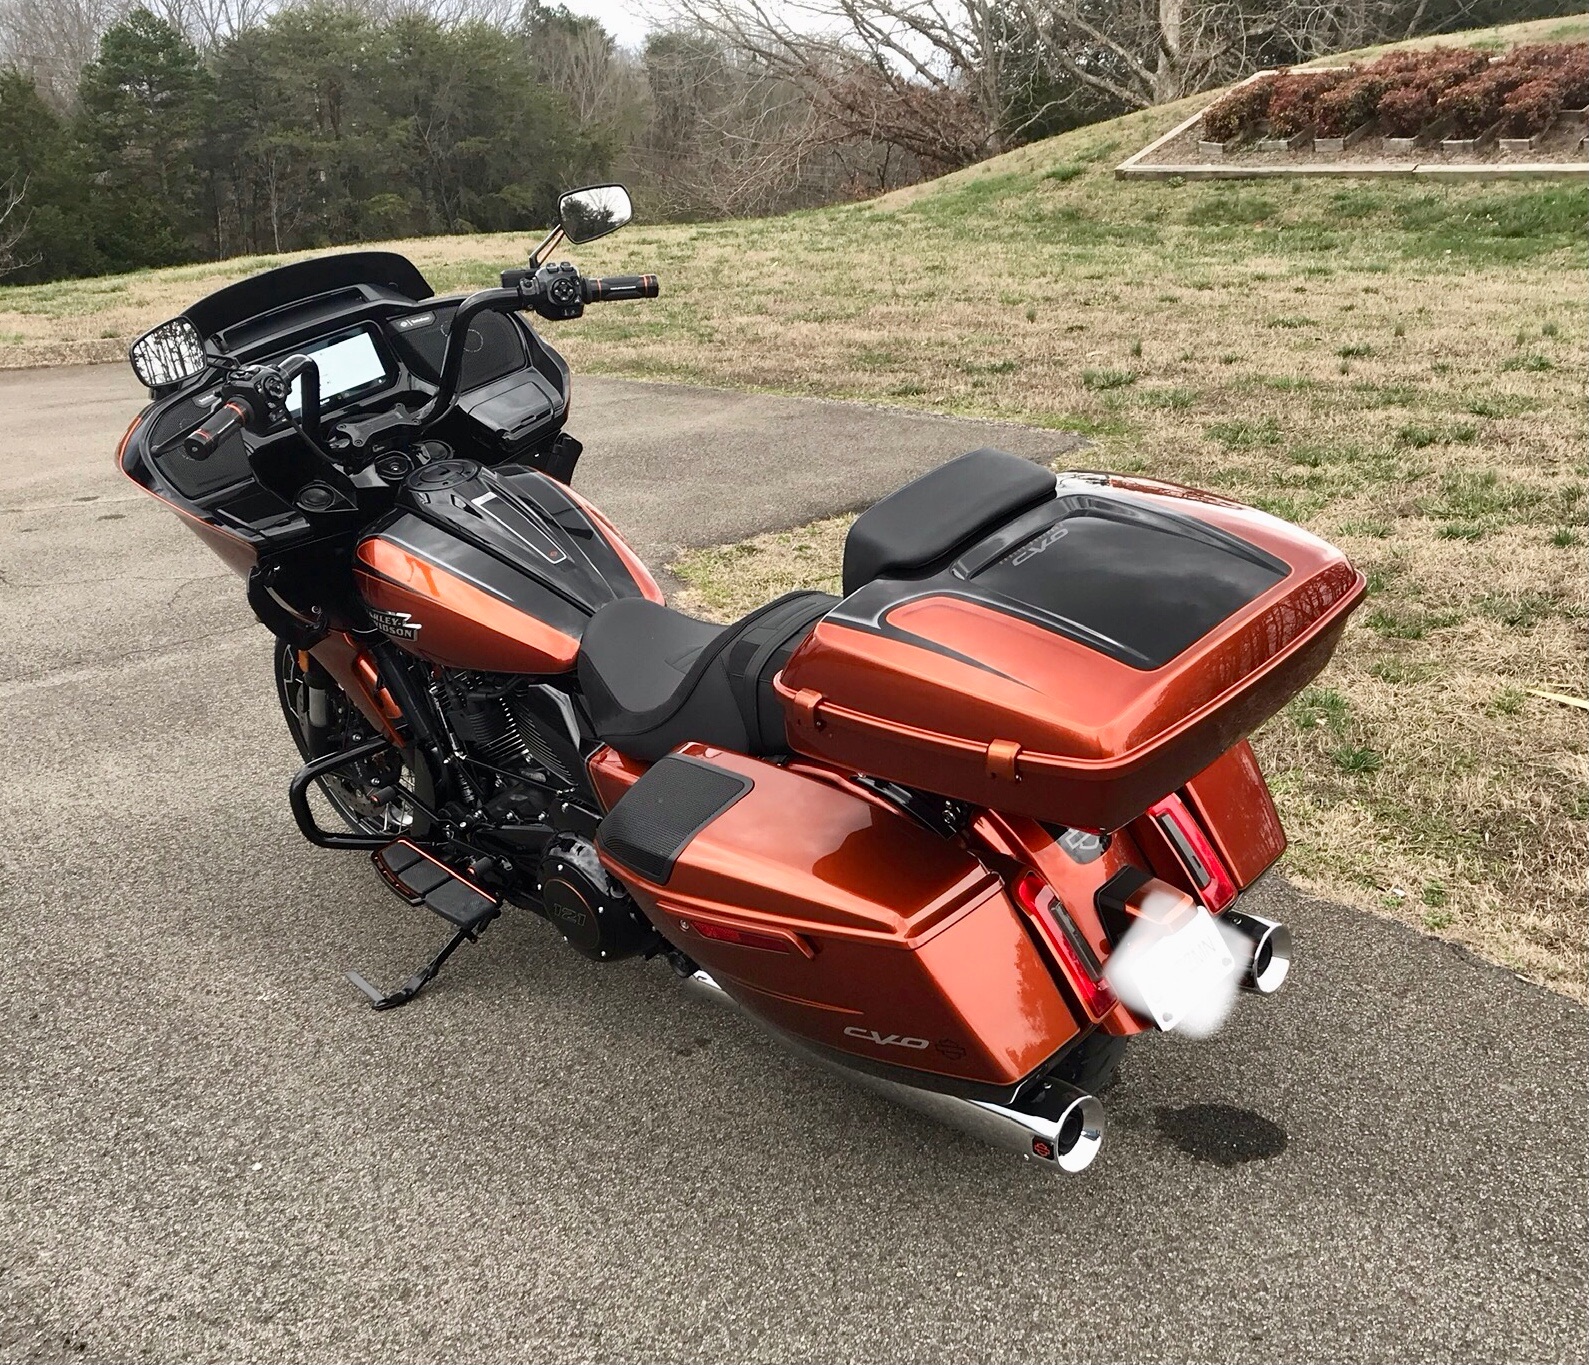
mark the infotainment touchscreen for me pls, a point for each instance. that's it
(347, 364)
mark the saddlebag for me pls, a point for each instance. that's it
(828, 913)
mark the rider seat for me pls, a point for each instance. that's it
(655, 678)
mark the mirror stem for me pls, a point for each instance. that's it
(547, 244)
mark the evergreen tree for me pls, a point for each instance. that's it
(145, 101)
(51, 229)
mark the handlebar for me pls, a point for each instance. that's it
(259, 394)
(616, 288)
(555, 292)
(270, 387)
(202, 441)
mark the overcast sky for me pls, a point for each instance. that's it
(621, 18)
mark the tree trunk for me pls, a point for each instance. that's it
(1168, 74)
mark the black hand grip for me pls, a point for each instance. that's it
(615, 288)
(201, 443)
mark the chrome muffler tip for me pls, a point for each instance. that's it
(1269, 943)
(1060, 1127)
(1077, 1135)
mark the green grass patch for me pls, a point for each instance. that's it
(1107, 379)
(1263, 431)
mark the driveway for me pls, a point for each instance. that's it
(210, 1149)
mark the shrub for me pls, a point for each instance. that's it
(1405, 109)
(1436, 66)
(1530, 108)
(1349, 104)
(1296, 96)
(1565, 62)
(1541, 58)
(1474, 104)
(1572, 73)
(1240, 112)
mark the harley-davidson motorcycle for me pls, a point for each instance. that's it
(918, 830)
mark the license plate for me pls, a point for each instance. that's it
(1173, 974)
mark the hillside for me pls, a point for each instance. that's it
(1398, 366)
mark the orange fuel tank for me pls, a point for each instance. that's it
(494, 570)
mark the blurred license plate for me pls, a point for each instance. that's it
(1183, 968)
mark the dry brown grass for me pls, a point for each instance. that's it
(1396, 366)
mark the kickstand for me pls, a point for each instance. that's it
(417, 982)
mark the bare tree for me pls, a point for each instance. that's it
(1146, 52)
(14, 216)
(208, 23)
(957, 80)
(927, 75)
(52, 40)
(579, 59)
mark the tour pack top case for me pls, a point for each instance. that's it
(1071, 648)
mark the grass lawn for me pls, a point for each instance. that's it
(1397, 366)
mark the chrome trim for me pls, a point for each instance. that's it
(1062, 1130)
(1269, 960)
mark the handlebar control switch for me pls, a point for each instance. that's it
(559, 292)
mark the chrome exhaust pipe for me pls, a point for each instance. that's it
(1061, 1127)
(1269, 944)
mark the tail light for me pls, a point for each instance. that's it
(1215, 886)
(1064, 940)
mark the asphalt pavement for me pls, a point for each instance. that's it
(210, 1149)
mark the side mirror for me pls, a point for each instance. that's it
(168, 354)
(594, 212)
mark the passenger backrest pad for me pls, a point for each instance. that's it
(924, 522)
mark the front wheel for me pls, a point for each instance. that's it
(358, 793)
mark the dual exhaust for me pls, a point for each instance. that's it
(1059, 1127)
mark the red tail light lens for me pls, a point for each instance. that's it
(1207, 870)
(1044, 909)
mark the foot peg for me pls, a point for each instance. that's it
(422, 880)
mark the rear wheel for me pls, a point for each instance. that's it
(1094, 1063)
(358, 793)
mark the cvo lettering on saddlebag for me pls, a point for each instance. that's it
(885, 1039)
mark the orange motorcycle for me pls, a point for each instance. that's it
(960, 832)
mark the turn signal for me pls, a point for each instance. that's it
(1207, 870)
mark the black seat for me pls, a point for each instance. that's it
(920, 526)
(655, 678)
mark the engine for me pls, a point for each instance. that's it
(514, 726)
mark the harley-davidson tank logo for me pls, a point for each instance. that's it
(398, 624)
